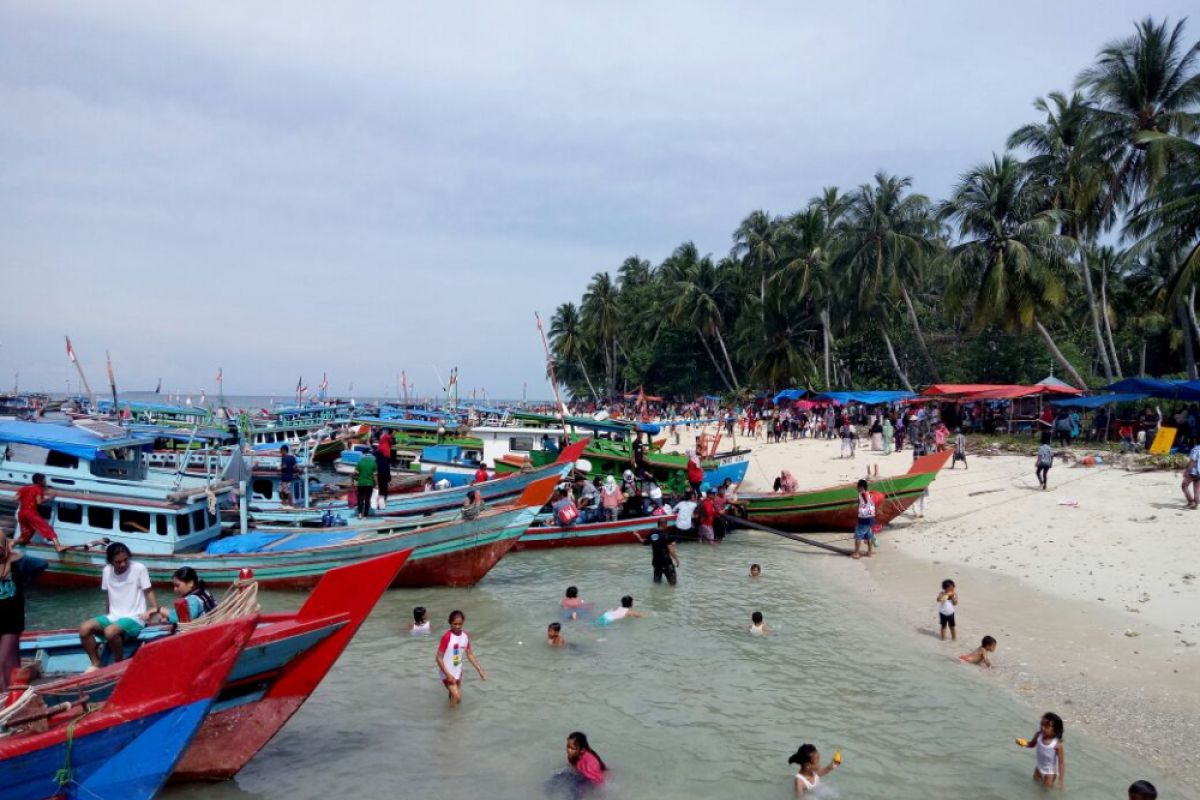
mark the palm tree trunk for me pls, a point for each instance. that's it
(1091, 296)
(887, 340)
(1191, 312)
(1112, 345)
(728, 363)
(587, 377)
(1189, 354)
(828, 337)
(912, 315)
(1067, 366)
(716, 364)
(1142, 360)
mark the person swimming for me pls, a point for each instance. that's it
(572, 603)
(755, 570)
(554, 636)
(420, 621)
(614, 614)
(757, 626)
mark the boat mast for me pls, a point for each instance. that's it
(82, 377)
(562, 410)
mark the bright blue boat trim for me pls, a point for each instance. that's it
(65, 439)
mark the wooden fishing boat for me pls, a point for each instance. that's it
(126, 747)
(457, 553)
(836, 508)
(285, 659)
(500, 489)
(596, 534)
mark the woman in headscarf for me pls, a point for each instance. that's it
(787, 482)
(888, 434)
(611, 498)
(877, 435)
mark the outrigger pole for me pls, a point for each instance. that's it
(82, 378)
(112, 383)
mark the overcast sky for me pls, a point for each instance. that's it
(285, 188)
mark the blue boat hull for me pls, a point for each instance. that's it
(735, 470)
(130, 761)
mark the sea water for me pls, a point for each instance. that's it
(684, 703)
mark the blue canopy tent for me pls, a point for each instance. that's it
(1098, 401)
(870, 398)
(789, 394)
(1187, 391)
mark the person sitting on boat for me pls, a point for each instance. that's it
(127, 585)
(566, 513)
(427, 486)
(481, 474)
(589, 499)
(193, 601)
(28, 499)
(472, 504)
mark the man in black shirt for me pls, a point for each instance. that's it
(287, 476)
(639, 456)
(662, 555)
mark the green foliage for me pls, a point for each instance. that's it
(998, 283)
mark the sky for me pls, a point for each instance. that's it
(285, 189)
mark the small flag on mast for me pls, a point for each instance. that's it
(71, 351)
(324, 382)
(220, 374)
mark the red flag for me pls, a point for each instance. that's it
(220, 374)
(324, 382)
(70, 351)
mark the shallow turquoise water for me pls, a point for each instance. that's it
(682, 704)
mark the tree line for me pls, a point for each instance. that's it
(1077, 249)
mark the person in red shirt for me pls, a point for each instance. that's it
(481, 474)
(695, 472)
(28, 499)
(385, 445)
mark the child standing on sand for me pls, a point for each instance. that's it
(960, 449)
(452, 649)
(947, 601)
(1051, 762)
(1045, 460)
(980, 654)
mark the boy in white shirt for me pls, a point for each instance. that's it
(127, 584)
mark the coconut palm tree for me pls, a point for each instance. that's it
(1145, 83)
(886, 240)
(567, 340)
(601, 321)
(805, 272)
(699, 294)
(1010, 261)
(1072, 174)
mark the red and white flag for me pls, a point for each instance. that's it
(324, 382)
(220, 374)
(70, 351)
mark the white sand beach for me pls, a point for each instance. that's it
(1091, 588)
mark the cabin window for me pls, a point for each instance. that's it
(134, 521)
(524, 443)
(262, 487)
(70, 513)
(57, 459)
(100, 517)
(198, 523)
(183, 525)
(160, 524)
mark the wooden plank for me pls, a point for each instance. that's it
(745, 523)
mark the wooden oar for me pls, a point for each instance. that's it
(745, 523)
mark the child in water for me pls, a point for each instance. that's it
(755, 570)
(757, 626)
(554, 636)
(587, 762)
(614, 614)
(1142, 790)
(809, 761)
(980, 654)
(420, 621)
(947, 601)
(1051, 762)
(572, 602)
(454, 646)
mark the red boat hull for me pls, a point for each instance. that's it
(461, 568)
(229, 738)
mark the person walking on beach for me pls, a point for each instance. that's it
(31, 522)
(454, 646)
(1191, 478)
(364, 482)
(947, 601)
(1051, 761)
(864, 530)
(889, 435)
(1045, 460)
(960, 449)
